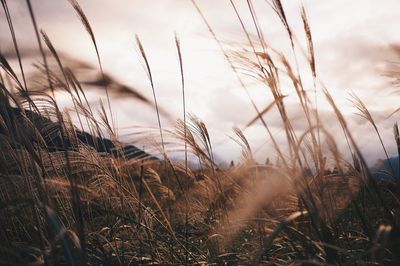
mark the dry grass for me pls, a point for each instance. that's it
(64, 202)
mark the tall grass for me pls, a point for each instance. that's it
(67, 198)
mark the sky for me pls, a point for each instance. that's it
(356, 43)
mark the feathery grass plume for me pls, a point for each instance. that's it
(191, 141)
(278, 8)
(78, 89)
(247, 153)
(200, 130)
(367, 177)
(154, 187)
(310, 43)
(150, 76)
(89, 30)
(178, 48)
(9, 71)
(364, 113)
(54, 53)
(39, 41)
(280, 11)
(257, 26)
(11, 28)
(312, 64)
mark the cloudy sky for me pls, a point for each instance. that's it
(356, 43)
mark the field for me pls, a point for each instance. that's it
(73, 194)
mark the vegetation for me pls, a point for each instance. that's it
(64, 202)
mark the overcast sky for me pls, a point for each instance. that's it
(355, 44)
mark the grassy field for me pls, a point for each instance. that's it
(64, 202)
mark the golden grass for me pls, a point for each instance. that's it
(64, 202)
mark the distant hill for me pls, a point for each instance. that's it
(54, 137)
(383, 169)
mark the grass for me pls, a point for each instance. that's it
(64, 202)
